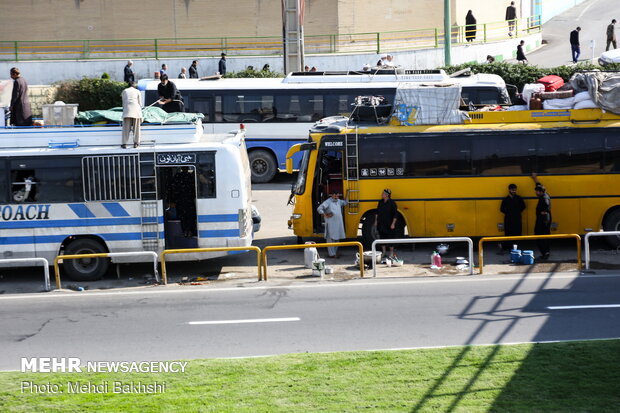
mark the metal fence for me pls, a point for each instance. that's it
(372, 42)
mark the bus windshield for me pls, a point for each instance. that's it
(300, 186)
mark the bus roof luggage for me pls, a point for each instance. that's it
(434, 104)
(604, 88)
(551, 82)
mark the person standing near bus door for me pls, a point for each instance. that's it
(132, 114)
(611, 35)
(331, 209)
(21, 114)
(512, 206)
(511, 15)
(385, 219)
(575, 48)
(543, 218)
(221, 65)
(169, 96)
(193, 70)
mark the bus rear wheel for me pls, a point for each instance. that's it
(85, 269)
(612, 223)
(263, 166)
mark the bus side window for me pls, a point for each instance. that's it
(612, 154)
(206, 175)
(4, 179)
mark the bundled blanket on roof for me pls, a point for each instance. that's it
(149, 115)
(603, 87)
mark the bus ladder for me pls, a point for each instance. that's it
(149, 200)
(351, 148)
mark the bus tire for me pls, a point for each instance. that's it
(369, 231)
(612, 223)
(263, 166)
(86, 269)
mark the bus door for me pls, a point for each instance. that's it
(177, 186)
(329, 178)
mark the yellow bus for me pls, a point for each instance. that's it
(449, 180)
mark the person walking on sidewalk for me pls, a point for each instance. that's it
(511, 15)
(21, 112)
(470, 27)
(331, 209)
(520, 53)
(611, 35)
(543, 218)
(574, 44)
(193, 70)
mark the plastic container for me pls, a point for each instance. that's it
(310, 255)
(436, 259)
(515, 256)
(60, 114)
(527, 257)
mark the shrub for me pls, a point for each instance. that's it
(251, 72)
(91, 93)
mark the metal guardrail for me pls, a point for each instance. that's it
(372, 42)
(470, 250)
(103, 255)
(190, 250)
(527, 237)
(303, 246)
(46, 265)
(586, 243)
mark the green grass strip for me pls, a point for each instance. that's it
(556, 377)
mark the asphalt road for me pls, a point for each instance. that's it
(592, 16)
(178, 323)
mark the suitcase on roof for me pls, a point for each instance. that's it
(551, 82)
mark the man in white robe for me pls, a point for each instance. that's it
(331, 209)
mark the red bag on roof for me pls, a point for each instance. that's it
(551, 82)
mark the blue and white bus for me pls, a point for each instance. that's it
(76, 191)
(279, 112)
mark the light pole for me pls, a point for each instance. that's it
(447, 36)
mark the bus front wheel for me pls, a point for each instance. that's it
(612, 223)
(85, 269)
(263, 166)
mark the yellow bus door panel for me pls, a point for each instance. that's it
(490, 219)
(450, 218)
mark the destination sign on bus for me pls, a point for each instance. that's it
(176, 158)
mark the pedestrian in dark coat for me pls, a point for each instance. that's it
(169, 96)
(129, 75)
(575, 47)
(385, 219)
(470, 27)
(520, 54)
(221, 66)
(193, 70)
(21, 114)
(543, 218)
(512, 206)
(611, 35)
(511, 15)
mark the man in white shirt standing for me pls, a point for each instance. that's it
(132, 115)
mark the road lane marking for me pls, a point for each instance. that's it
(254, 320)
(575, 307)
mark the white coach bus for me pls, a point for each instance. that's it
(76, 191)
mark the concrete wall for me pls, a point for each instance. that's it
(120, 19)
(552, 8)
(52, 71)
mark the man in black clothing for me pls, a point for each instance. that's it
(221, 66)
(385, 219)
(543, 218)
(21, 113)
(193, 70)
(129, 77)
(511, 15)
(574, 44)
(169, 96)
(511, 207)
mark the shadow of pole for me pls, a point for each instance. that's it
(466, 315)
